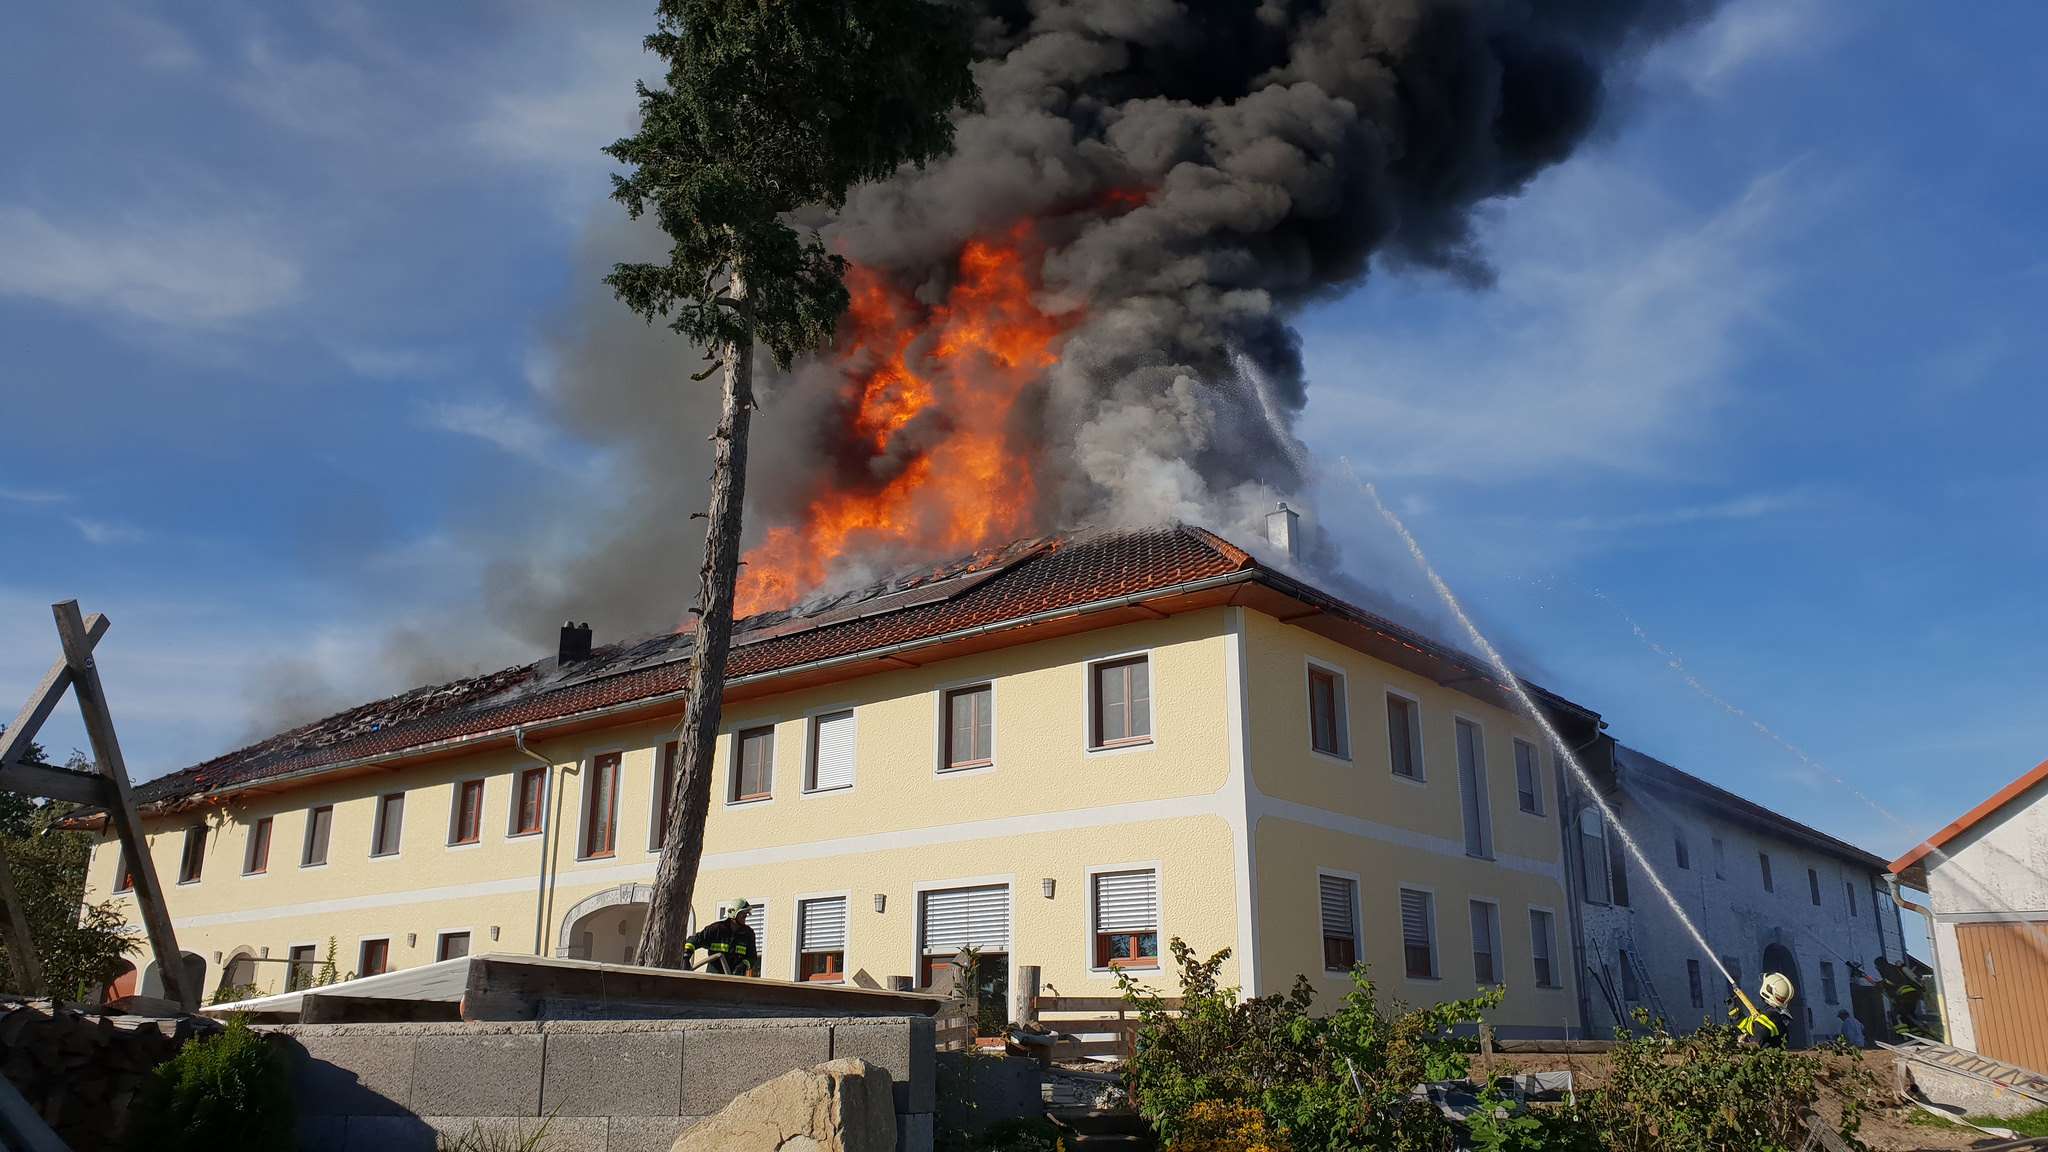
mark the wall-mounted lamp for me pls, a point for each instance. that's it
(1046, 886)
(216, 959)
(881, 901)
(264, 952)
(494, 931)
(412, 939)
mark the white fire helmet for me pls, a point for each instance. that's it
(1776, 990)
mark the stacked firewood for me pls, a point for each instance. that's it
(81, 1071)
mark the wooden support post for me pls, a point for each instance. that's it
(20, 945)
(106, 750)
(1027, 995)
(14, 742)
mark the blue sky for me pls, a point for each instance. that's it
(282, 297)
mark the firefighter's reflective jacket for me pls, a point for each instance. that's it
(732, 947)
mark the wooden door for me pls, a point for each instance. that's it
(2005, 975)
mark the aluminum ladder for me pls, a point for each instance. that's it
(2011, 1077)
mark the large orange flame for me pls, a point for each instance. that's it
(961, 366)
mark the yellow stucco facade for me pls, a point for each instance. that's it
(1225, 803)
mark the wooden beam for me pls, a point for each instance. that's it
(20, 944)
(52, 782)
(14, 743)
(106, 752)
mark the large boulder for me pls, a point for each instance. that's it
(838, 1106)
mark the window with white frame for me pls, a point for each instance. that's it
(1486, 964)
(1682, 850)
(1404, 736)
(1528, 778)
(386, 833)
(1126, 918)
(1827, 982)
(821, 940)
(1849, 887)
(601, 806)
(1339, 899)
(1472, 789)
(954, 919)
(1329, 726)
(831, 764)
(1763, 863)
(319, 827)
(753, 764)
(1418, 933)
(970, 728)
(1593, 855)
(193, 860)
(1542, 937)
(1813, 886)
(1720, 859)
(451, 946)
(1121, 709)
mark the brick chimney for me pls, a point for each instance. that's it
(575, 643)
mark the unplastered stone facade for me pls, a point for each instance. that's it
(599, 1085)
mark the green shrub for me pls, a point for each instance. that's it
(1327, 1084)
(477, 1138)
(228, 1090)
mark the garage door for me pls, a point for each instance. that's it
(2005, 973)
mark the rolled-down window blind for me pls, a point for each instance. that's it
(832, 766)
(1127, 901)
(956, 918)
(1338, 903)
(824, 925)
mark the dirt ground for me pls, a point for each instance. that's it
(1888, 1128)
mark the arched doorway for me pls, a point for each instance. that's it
(1779, 958)
(123, 984)
(195, 978)
(238, 972)
(605, 927)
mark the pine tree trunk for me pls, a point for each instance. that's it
(675, 878)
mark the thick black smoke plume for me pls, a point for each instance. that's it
(1279, 145)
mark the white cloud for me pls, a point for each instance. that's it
(106, 532)
(1748, 32)
(1754, 506)
(33, 496)
(1613, 331)
(164, 267)
(496, 423)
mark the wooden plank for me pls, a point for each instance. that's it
(21, 944)
(1554, 1047)
(505, 987)
(78, 640)
(1098, 1004)
(55, 783)
(14, 742)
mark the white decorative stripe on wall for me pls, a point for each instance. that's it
(1127, 901)
(823, 925)
(956, 918)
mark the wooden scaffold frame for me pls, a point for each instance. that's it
(106, 786)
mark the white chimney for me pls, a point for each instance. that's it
(1283, 530)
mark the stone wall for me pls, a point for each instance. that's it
(600, 1085)
(81, 1071)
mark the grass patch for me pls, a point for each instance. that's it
(2025, 1124)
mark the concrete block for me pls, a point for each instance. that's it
(323, 1133)
(720, 1063)
(613, 1074)
(892, 1046)
(353, 1075)
(647, 1133)
(389, 1134)
(477, 1075)
(914, 1132)
(561, 1133)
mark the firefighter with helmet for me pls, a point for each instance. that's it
(1765, 1023)
(730, 940)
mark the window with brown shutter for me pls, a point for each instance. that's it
(258, 859)
(970, 727)
(375, 958)
(664, 793)
(1122, 709)
(1404, 736)
(384, 838)
(753, 776)
(528, 801)
(319, 824)
(601, 807)
(466, 821)
(194, 858)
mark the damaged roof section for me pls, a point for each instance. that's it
(1685, 788)
(1051, 578)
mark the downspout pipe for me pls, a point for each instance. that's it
(540, 895)
(1933, 948)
